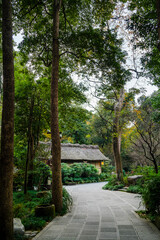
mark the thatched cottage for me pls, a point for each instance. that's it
(71, 153)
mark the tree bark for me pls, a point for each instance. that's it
(117, 136)
(29, 158)
(7, 131)
(56, 146)
(158, 21)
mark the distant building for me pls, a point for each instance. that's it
(76, 153)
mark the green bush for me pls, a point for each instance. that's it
(79, 173)
(134, 189)
(41, 174)
(33, 223)
(18, 179)
(67, 201)
(151, 195)
(113, 184)
(145, 171)
(103, 176)
(24, 207)
(107, 168)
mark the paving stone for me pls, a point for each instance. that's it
(129, 238)
(66, 238)
(108, 230)
(92, 223)
(89, 232)
(125, 227)
(86, 237)
(72, 230)
(91, 227)
(127, 232)
(107, 238)
(108, 224)
(108, 235)
(67, 235)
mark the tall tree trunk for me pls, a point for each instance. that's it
(117, 136)
(158, 21)
(31, 164)
(7, 131)
(56, 146)
(29, 158)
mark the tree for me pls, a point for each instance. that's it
(38, 47)
(145, 24)
(147, 137)
(56, 146)
(7, 132)
(117, 133)
(31, 116)
(115, 113)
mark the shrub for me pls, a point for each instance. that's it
(103, 176)
(151, 195)
(33, 223)
(67, 201)
(41, 174)
(79, 173)
(134, 189)
(107, 168)
(24, 207)
(113, 184)
(18, 179)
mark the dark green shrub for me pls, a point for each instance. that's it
(67, 201)
(24, 207)
(151, 195)
(113, 184)
(18, 179)
(41, 174)
(33, 223)
(79, 173)
(134, 189)
(107, 168)
(103, 176)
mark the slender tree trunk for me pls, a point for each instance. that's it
(155, 166)
(117, 136)
(158, 21)
(56, 146)
(7, 131)
(30, 145)
(31, 164)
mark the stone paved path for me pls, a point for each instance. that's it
(98, 215)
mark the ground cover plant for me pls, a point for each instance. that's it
(24, 207)
(113, 184)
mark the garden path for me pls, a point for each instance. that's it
(100, 214)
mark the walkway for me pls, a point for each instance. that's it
(100, 214)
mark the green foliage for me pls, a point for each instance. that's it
(146, 171)
(135, 189)
(107, 168)
(33, 223)
(24, 207)
(67, 202)
(41, 174)
(151, 195)
(18, 179)
(79, 173)
(113, 184)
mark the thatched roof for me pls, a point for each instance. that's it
(77, 152)
(81, 152)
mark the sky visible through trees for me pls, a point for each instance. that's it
(134, 83)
